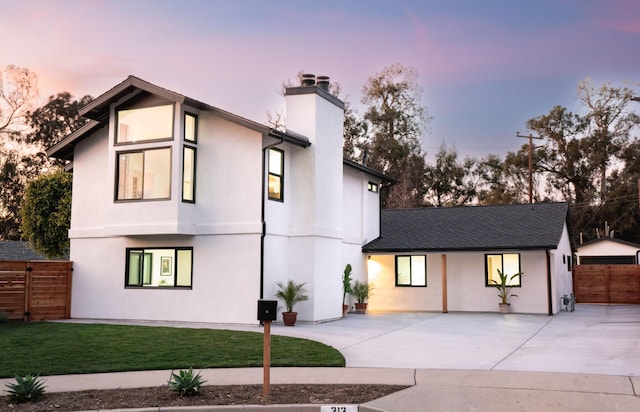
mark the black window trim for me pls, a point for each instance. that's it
(117, 174)
(281, 176)
(195, 168)
(184, 128)
(175, 266)
(411, 285)
(486, 268)
(161, 139)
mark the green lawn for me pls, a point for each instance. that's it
(65, 348)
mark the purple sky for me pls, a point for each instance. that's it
(485, 66)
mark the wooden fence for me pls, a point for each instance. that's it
(35, 290)
(607, 283)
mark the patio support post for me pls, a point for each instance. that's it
(444, 283)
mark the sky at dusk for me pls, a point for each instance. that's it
(485, 67)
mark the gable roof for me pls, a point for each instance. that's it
(98, 112)
(608, 239)
(500, 227)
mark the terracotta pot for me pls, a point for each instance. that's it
(361, 308)
(504, 307)
(345, 310)
(289, 318)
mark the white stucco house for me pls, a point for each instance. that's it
(442, 259)
(185, 212)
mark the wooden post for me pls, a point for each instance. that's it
(444, 283)
(266, 358)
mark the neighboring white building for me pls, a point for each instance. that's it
(184, 212)
(608, 251)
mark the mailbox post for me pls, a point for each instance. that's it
(267, 312)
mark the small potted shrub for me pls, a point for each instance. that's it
(361, 292)
(290, 294)
(346, 289)
(504, 290)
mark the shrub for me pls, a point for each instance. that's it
(4, 318)
(186, 382)
(26, 389)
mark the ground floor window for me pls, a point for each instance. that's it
(159, 267)
(411, 271)
(506, 263)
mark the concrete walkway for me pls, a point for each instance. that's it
(587, 360)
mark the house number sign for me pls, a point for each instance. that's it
(339, 408)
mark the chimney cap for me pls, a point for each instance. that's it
(323, 82)
(308, 79)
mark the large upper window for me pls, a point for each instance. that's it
(159, 267)
(507, 263)
(144, 174)
(276, 174)
(411, 271)
(144, 124)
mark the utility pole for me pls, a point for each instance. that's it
(530, 137)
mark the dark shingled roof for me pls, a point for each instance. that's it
(17, 250)
(527, 226)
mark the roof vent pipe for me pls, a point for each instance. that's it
(308, 79)
(323, 83)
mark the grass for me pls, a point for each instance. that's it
(70, 348)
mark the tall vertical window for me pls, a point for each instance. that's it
(507, 263)
(144, 174)
(276, 174)
(143, 124)
(411, 271)
(159, 267)
(189, 174)
(190, 128)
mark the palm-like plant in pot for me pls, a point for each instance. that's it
(346, 288)
(361, 291)
(290, 294)
(504, 289)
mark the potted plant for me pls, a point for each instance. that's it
(290, 294)
(504, 290)
(361, 291)
(346, 288)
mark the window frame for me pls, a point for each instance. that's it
(279, 176)
(195, 128)
(486, 269)
(144, 284)
(373, 187)
(410, 284)
(143, 152)
(193, 173)
(159, 139)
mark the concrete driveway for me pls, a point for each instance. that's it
(595, 339)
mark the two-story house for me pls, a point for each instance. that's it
(185, 212)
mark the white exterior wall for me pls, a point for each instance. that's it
(466, 289)
(225, 282)
(561, 273)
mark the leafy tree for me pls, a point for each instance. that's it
(46, 213)
(609, 125)
(449, 182)
(395, 122)
(565, 155)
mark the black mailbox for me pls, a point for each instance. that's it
(267, 310)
